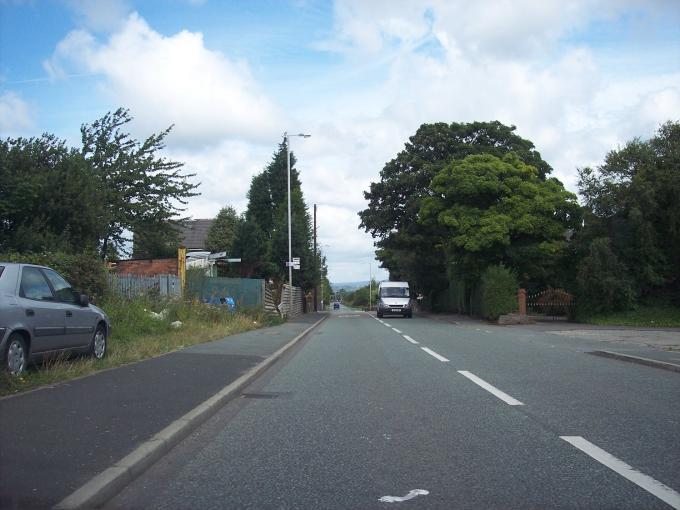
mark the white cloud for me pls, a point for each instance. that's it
(100, 15)
(224, 172)
(464, 61)
(402, 63)
(15, 115)
(173, 80)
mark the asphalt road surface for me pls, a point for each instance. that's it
(420, 413)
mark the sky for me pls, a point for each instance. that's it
(576, 77)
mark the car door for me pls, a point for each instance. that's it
(79, 320)
(43, 315)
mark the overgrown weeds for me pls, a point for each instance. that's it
(137, 335)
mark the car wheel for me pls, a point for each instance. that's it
(16, 354)
(98, 344)
(380, 315)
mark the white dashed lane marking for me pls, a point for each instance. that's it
(491, 389)
(410, 339)
(654, 487)
(432, 353)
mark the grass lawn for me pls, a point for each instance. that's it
(135, 336)
(648, 316)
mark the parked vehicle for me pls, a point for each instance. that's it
(394, 298)
(41, 315)
(336, 305)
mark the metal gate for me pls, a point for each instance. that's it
(554, 304)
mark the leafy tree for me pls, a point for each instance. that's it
(140, 188)
(49, 197)
(262, 241)
(409, 250)
(491, 211)
(633, 199)
(222, 232)
(604, 282)
(149, 243)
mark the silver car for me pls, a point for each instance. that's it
(41, 315)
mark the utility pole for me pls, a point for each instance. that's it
(317, 265)
(370, 285)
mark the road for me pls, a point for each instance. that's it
(420, 413)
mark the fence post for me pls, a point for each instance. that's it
(522, 302)
(182, 269)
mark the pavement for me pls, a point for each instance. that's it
(55, 440)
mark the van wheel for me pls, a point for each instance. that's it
(16, 354)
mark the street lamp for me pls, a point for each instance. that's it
(286, 138)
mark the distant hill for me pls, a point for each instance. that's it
(348, 286)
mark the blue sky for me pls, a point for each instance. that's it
(577, 78)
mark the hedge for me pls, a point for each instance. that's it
(85, 271)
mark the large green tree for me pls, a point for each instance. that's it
(49, 197)
(223, 231)
(633, 200)
(489, 211)
(141, 189)
(407, 248)
(262, 241)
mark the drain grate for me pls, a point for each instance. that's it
(266, 394)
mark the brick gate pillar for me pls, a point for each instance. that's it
(522, 302)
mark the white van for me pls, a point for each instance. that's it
(394, 298)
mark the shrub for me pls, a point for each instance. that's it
(498, 292)
(603, 282)
(85, 271)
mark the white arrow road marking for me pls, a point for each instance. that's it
(661, 491)
(412, 494)
(491, 389)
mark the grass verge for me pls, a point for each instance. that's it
(136, 335)
(647, 316)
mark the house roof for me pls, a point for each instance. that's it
(192, 235)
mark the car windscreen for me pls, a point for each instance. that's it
(394, 292)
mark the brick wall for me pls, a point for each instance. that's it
(147, 267)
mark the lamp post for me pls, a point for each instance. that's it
(286, 138)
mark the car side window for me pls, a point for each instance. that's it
(62, 289)
(34, 285)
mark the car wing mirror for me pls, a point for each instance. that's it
(84, 300)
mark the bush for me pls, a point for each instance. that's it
(603, 282)
(498, 292)
(84, 271)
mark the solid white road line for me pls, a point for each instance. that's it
(432, 353)
(395, 329)
(654, 487)
(410, 339)
(491, 389)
